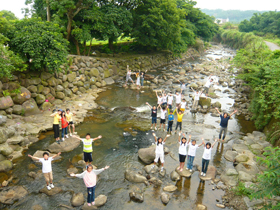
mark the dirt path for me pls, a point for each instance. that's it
(272, 46)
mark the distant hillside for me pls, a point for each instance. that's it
(235, 16)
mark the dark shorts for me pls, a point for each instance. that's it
(206, 90)
(71, 123)
(56, 130)
(87, 156)
(162, 121)
(182, 158)
(154, 120)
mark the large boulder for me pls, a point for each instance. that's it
(18, 109)
(77, 199)
(230, 155)
(230, 177)
(32, 81)
(5, 165)
(65, 146)
(71, 77)
(210, 173)
(3, 135)
(60, 95)
(5, 149)
(40, 99)
(52, 81)
(6, 102)
(45, 75)
(241, 158)
(147, 155)
(23, 96)
(46, 91)
(133, 176)
(30, 107)
(248, 168)
(9, 195)
(46, 106)
(3, 120)
(94, 72)
(204, 102)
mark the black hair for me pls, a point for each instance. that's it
(208, 143)
(183, 99)
(194, 141)
(54, 110)
(182, 142)
(88, 134)
(89, 166)
(46, 153)
(225, 113)
(159, 139)
(67, 110)
(62, 113)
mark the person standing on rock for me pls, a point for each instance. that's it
(159, 98)
(56, 118)
(90, 176)
(183, 105)
(207, 85)
(224, 123)
(164, 99)
(128, 75)
(159, 150)
(183, 86)
(178, 97)
(64, 125)
(206, 156)
(154, 115)
(69, 117)
(191, 153)
(142, 77)
(180, 115)
(138, 79)
(87, 142)
(170, 98)
(170, 120)
(162, 117)
(47, 167)
(197, 95)
(182, 151)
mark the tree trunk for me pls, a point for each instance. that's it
(111, 44)
(77, 47)
(48, 11)
(85, 48)
(69, 26)
(89, 47)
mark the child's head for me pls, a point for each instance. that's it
(164, 94)
(59, 111)
(171, 112)
(177, 93)
(68, 111)
(193, 142)
(183, 140)
(89, 168)
(62, 113)
(46, 155)
(154, 107)
(208, 145)
(159, 140)
(211, 80)
(159, 96)
(163, 108)
(88, 136)
(180, 112)
(170, 93)
(184, 100)
(225, 115)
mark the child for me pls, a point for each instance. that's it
(56, 118)
(162, 117)
(183, 105)
(138, 79)
(164, 99)
(159, 98)
(182, 151)
(47, 167)
(159, 150)
(87, 142)
(206, 156)
(170, 100)
(183, 86)
(154, 115)
(170, 120)
(207, 85)
(64, 125)
(90, 177)
(180, 115)
(191, 153)
(197, 95)
(142, 77)
(178, 98)
(69, 117)
(128, 75)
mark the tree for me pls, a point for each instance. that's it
(39, 43)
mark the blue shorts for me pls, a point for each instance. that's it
(154, 120)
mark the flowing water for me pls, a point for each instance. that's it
(119, 148)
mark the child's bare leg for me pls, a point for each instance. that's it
(69, 127)
(73, 128)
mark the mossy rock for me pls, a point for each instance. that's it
(204, 102)
(139, 124)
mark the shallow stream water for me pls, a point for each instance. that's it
(119, 148)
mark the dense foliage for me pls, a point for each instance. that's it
(262, 24)
(234, 16)
(39, 43)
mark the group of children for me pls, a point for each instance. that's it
(140, 77)
(66, 121)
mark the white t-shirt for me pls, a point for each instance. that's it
(208, 83)
(46, 164)
(196, 96)
(178, 98)
(163, 114)
(183, 148)
(183, 87)
(207, 153)
(192, 149)
(164, 99)
(169, 99)
(159, 100)
(159, 148)
(183, 105)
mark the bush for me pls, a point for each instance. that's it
(241, 190)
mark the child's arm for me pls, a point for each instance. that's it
(202, 142)
(174, 112)
(149, 105)
(127, 68)
(98, 171)
(218, 111)
(190, 136)
(56, 155)
(166, 137)
(179, 139)
(156, 93)
(155, 137)
(79, 175)
(233, 113)
(159, 106)
(53, 114)
(77, 137)
(214, 143)
(35, 158)
(98, 137)
(168, 111)
(192, 89)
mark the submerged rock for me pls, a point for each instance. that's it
(148, 168)
(77, 199)
(100, 200)
(132, 176)
(9, 195)
(66, 146)
(210, 174)
(147, 155)
(5, 165)
(136, 196)
(175, 176)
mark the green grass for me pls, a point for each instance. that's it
(102, 42)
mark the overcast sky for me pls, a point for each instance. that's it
(16, 5)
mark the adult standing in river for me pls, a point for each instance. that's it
(128, 76)
(56, 118)
(142, 77)
(224, 123)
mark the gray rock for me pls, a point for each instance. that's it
(100, 200)
(109, 81)
(45, 75)
(132, 176)
(18, 109)
(5, 149)
(243, 176)
(40, 99)
(52, 82)
(230, 177)
(68, 93)
(46, 106)
(3, 135)
(164, 198)
(9, 195)
(15, 139)
(71, 77)
(51, 192)
(249, 169)
(65, 85)
(30, 107)
(256, 147)
(136, 196)
(59, 88)
(46, 91)
(5, 166)
(23, 96)
(32, 89)
(10, 110)
(148, 168)
(65, 146)
(241, 158)
(147, 155)
(3, 120)
(170, 188)
(33, 81)
(6, 102)
(253, 202)
(175, 176)
(230, 155)
(2, 157)
(239, 147)
(60, 95)
(201, 207)
(77, 199)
